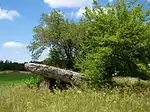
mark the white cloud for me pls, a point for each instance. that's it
(110, 1)
(13, 44)
(8, 14)
(148, 0)
(80, 12)
(67, 3)
(17, 52)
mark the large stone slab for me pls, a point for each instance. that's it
(55, 73)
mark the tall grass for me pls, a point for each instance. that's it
(20, 98)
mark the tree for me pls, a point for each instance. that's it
(59, 35)
(116, 41)
(9, 65)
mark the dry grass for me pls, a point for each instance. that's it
(22, 99)
(134, 98)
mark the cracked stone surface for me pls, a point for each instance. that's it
(51, 72)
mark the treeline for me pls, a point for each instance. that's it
(15, 66)
(9, 65)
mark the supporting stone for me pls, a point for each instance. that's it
(44, 83)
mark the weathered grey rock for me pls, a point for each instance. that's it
(44, 83)
(55, 73)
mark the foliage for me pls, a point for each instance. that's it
(8, 65)
(31, 82)
(58, 34)
(54, 59)
(116, 41)
(107, 41)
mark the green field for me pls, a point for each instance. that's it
(13, 78)
(19, 98)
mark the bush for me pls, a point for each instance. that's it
(31, 82)
(116, 41)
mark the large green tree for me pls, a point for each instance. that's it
(59, 35)
(116, 41)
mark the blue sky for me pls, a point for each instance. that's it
(18, 17)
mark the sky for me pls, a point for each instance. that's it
(18, 17)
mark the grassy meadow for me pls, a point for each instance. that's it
(13, 78)
(17, 97)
